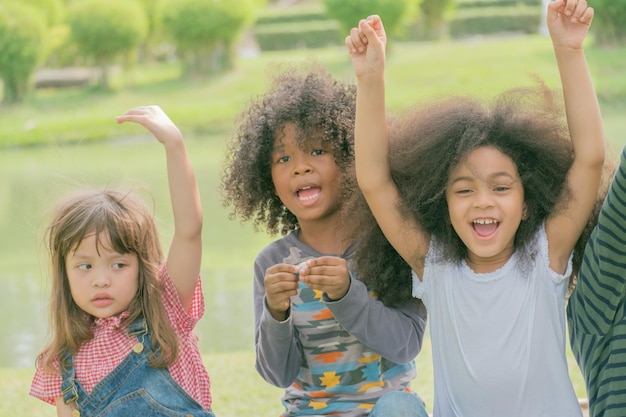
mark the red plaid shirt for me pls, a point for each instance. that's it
(109, 346)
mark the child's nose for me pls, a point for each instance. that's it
(483, 199)
(302, 166)
(101, 279)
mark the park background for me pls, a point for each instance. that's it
(58, 133)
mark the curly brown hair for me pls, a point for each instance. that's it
(321, 107)
(425, 145)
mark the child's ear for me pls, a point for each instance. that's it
(525, 212)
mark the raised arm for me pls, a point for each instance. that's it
(366, 45)
(185, 251)
(568, 23)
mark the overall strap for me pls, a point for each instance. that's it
(69, 390)
(68, 386)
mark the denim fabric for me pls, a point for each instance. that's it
(133, 388)
(399, 404)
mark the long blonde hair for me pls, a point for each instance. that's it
(129, 225)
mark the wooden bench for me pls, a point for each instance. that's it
(66, 77)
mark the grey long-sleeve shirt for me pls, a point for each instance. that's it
(333, 356)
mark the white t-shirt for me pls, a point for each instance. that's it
(498, 338)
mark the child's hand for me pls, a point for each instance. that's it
(568, 22)
(328, 274)
(155, 120)
(366, 44)
(281, 283)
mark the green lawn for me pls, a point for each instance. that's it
(236, 387)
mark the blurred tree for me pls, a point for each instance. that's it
(22, 32)
(104, 30)
(154, 13)
(609, 24)
(392, 12)
(432, 17)
(53, 10)
(205, 32)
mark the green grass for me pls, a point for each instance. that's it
(236, 387)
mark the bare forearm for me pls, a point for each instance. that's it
(184, 194)
(371, 136)
(581, 106)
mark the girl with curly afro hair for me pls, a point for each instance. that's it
(485, 203)
(290, 169)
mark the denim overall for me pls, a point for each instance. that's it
(133, 388)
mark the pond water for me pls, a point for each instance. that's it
(33, 179)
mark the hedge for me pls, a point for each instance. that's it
(280, 36)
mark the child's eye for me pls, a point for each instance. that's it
(318, 152)
(501, 188)
(283, 159)
(84, 267)
(118, 265)
(463, 191)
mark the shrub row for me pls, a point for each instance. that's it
(271, 15)
(487, 21)
(310, 28)
(467, 4)
(314, 34)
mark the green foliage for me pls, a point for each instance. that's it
(465, 4)
(349, 12)
(298, 34)
(432, 16)
(22, 31)
(104, 30)
(53, 10)
(296, 27)
(609, 23)
(199, 28)
(306, 13)
(484, 21)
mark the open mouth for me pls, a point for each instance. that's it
(308, 193)
(485, 227)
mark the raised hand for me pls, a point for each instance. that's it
(568, 22)
(366, 44)
(155, 121)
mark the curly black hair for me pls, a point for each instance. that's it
(321, 108)
(425, 145)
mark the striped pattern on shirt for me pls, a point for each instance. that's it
(596, 310)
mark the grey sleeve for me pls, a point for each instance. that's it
(278, 356)
(395, 333)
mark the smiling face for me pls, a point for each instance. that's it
(485, 199)
(102, 282)
(307, 181)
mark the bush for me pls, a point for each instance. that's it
(204, 31)
(104, 30)
(22, 31)
(432, 17)
(495, 20)
(53, 10)
(315, 34)
(609, 23)
(271, 15)
(349, 12)
(463, 4)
